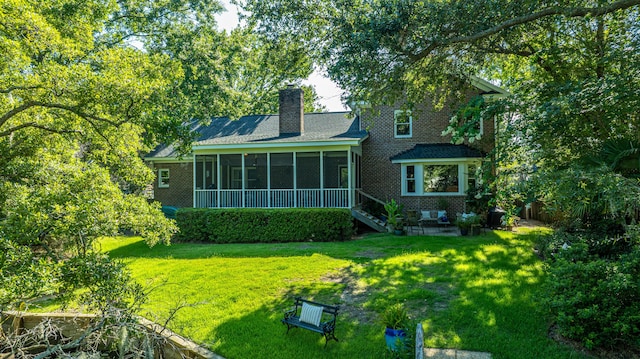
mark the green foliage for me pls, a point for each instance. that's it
(468, 221)
(465, 124)
(264, 225)
(98, 282)
(396, 317)
(86, 88)
(596, 197)
(394, 214)
(596, 300)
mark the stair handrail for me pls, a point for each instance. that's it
(370, 197)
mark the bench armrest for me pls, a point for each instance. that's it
(290, 313)
(328, 326)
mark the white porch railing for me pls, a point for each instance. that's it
(275, 198)
(206, 198)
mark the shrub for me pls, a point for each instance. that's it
(395, 317)
(245, 225)
(595, 299)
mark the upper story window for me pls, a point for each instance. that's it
(402, 123)
(163, 178)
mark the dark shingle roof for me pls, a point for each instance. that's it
(437, 150)
(255, 129)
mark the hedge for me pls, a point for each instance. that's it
(593, 290)
(245, 225)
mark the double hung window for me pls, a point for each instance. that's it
(402, 124)
(163, 178)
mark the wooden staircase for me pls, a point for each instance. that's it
(366, 217)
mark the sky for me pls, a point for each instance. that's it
(328, 92)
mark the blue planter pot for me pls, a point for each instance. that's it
(395, 338)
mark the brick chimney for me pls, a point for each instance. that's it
(291, 110)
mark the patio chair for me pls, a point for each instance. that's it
(412, 221)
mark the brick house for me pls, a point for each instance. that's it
(332, 159)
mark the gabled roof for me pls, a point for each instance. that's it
(256, 130)
(487, 87)
(437, 151)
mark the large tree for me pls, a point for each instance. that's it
(86, 88)
(569, 134)
(573, 66)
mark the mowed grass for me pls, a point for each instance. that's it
(472, 293)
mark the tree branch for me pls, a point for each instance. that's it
(14, 88)
(556, 10)
(35, 125)
(27, 105)
(74, 344)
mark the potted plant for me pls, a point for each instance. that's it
(463, 225)
(475, 221)
(394, 216)
(396, 319)
(469, 221)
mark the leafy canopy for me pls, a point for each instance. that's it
(86, 88)
(573, 68)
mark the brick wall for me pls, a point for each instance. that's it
(180, 190)
(381, 178)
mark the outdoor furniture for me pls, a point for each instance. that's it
(308, 315)
(434, 217)
(413, 220)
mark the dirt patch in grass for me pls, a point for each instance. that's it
(369, 254)
(444, 295)
(353, 296)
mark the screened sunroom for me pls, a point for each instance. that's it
(304, 178)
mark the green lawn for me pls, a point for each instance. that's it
(473, 293)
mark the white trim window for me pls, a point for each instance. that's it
(410, 179)
(163, 178)
(436, 178)
(472, 174)
(402, 124)
(440, 178)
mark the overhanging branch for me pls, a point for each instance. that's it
(75, 110)
(552, 11)
(35, 125)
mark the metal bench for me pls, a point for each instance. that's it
(326, 328)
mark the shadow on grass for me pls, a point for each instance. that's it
(260, 334)
(358, 250)
(474, 293)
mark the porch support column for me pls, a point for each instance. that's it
(242, 194)
(295, 179)
(194, 180)
(269, 179)
(321, 179)
(218, 179)
(351, 161)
